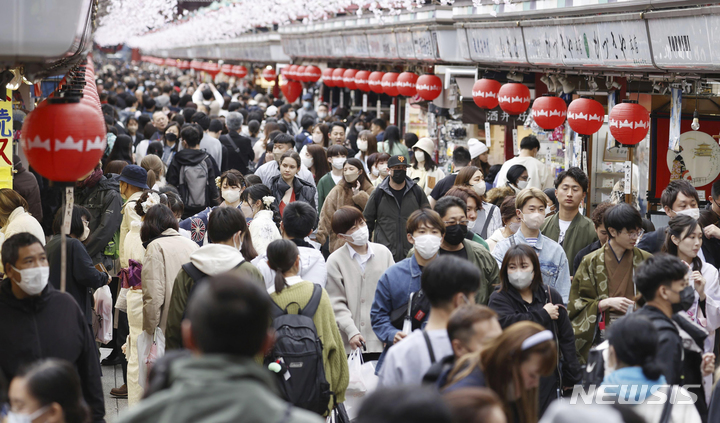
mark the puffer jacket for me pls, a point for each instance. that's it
(304, 190)
(341, 195)
(104, 203)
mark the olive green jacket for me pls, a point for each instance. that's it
(579, 235)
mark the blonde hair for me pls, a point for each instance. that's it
(9, 201)
(155, 168)
(528, 194)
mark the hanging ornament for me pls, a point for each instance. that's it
(269, 74)
(291, 72)
(429, 87)
(514, 98)
(196, 65)
(375, 82)
(389, 84)
(585, 116)
(549, 111)
(361, 80)
(629, 122)
(406, 82)
(312, 73)
(170, 62)
(337, 77)
(300, 74)
(327, 74)
(349, 79)
(485, 93)
(291, 90)
(227, 69)
(239, 71)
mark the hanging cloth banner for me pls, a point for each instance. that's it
(6, 141)
(675, 112)
(610, 140)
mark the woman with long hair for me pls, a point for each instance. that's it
(517, 178)
(171, 142)
(287, 187)
(523, 297)
(424, 169)
(315, 159)
(487, 218)
(392, 143)
(366, 145)
(122, 150)
(321, 135)
(156, 171)
(260, 208)
(14, 217)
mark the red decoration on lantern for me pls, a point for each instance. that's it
(227, 69)
(514, 98)
(212, 69)
(312, 73)
(585, 116)
(300, 74)
(375, 82)
(429, 87)
(185, 65)
(269, 74)
(389, 84)
(337, 77)
(349, 79)
(327, 77)
(196, 65)
(361, 80)
(549, 111)
(169, 62)
(485, 93)
(406, 82)
(291, 90)
(239, 71)
(289, 72)
(629, 122)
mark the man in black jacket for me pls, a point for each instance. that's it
(239, 148)
(37, 321)
(679, 197)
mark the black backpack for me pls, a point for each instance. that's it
(298, 350)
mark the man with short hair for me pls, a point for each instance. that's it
(287, 115)
(322, 112)
(679, 197)
(337, 133)
(37, 321)
(174, 102)
(239, 147)
(389, 207)
(598, 219)
(160, 122)
(539, 175)
(377, 127)
(461, 158)
(336, 156)
(210, 144)
(530, 204)
(568, 227)
(307, 108)
(304, 137)
(282, 143)
(208, 96)
(448, 283)
(227, 325)
(163, 100)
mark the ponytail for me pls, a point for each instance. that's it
(151, 178)
(281, 256)
(651, 369)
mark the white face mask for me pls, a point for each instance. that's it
(25, 418)
(514, 226)
(471, 224)
(522, 184)
(520, 280)
(375, 171)
(420, 156)
(308, 162)
(86, 234)
(33, 280)
(360, 237)
(383, 169)
(231, 196)
(694, 213)
(338, 162)
(322, 115)
(427, 245)
(292, 115)
(479, 188)
(362, 145)
(318, 138)
(533, 221)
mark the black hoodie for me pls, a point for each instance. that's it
(190, 157)
(50, 325)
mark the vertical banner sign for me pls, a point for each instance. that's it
(610, 142)
(392, 112)
(627, 169)
(6, 140)
(516, 150)
(675, 111)
(488, 142)
(364, 106)
(378, 106)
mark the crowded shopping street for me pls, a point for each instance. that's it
(367, 211)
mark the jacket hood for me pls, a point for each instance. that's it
(109, 182)
(214, 259)
(190, 157)
(385, 184)
(7, 298)
(217, 367)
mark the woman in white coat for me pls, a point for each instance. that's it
(14, 218)
(684, 240)
(424, 169)
(260, 208)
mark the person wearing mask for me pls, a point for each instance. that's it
(530, 204)
(315, 160)
(392, 144)
(287, 188)
(461, 158)
(131, 123)
(377, 127)
(603, 288)
(353, 272)
(48, 388)
(239, 147)
(487, 216)
(452, 212)
(479, 153)
(282, 144)
(354, 190)
(523, 297)
(425, 230)
(322, 112)
(336, 157)
(598, 219)
(475, 405)
(290, 288)
(367, 145)
(170, 142)
(424, 170)
(337, 133)
(39, 321)
(231, 250)
(634, 373)
(259, 206)
(517, 178)
(678, 198)
(448, 283)
(511, 223)
(539, 175)
(82, 278)
(159, 122)
(221, 380)
(321, 135)
(122, 150)
(287, 115)
(471, 199)
(569, 227)
(553, 203)
(26, 184)
(15, 219)
(307, 108)
(378, 167)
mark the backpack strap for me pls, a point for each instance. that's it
(418, 192)
(312, 305)
(483, 232)
(193, 272)
(429, 347)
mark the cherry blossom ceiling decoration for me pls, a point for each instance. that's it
(129, 21)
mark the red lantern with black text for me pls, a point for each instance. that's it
(429, 87)
(239, 71)
(269, 74)
(549, 111)
(585, 116)
(629, 122)
(361, 80)
(485, 93)
(349, 79)
(375, 82)
(389, 84)
(337, 77)
(406, 82)
(327, 76)
(312, 73)
(291, 90)
(514, 98)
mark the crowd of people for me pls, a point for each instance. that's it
(260, 243)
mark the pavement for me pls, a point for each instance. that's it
(112, 378)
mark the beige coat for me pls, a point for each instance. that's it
(129, 216)
(341, 195)
(163, 260)
(426, 180)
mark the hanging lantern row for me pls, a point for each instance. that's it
(67, 127)
(408, 84)
(211, 68)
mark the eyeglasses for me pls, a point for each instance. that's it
(453, 222)
(636, 234)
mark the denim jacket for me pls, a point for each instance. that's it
(393, 291)
(553, 262)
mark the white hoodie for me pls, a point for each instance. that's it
(214, 259)
(312, 268)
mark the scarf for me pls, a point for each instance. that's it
(631, 385)
(91, 180)
(130, 277)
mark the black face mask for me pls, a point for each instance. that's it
(171, 137)
(455, 234)
(687, 298)
(398, 176)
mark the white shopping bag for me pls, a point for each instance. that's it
(103, 324)
(357, 381)
(353, 400)
(149, 350)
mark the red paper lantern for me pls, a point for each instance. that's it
(60, 133)
(514, 98)
(406, 82)
(337, 77)
(389, 84)
(312, 73)
(485, 93)
(227, 69)
(549, 111)
(269, 74)
(239, 71)
(361, 80)
(375, 82)
(300, 73)
(629, 123)
(196, 65)
(169, 62)
(212, 69)
(291, 90)
(327, 74)
(585, 116)
(429, 87)
(349, 79)
(185, 65)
